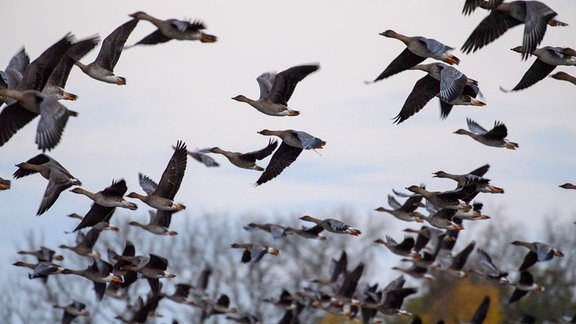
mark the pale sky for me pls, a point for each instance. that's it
(183, 90)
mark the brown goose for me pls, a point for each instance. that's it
(547, 58)
(161, 195)
(72, 311)
(41, 270)
(247, 160)
(57, 81)
(85, 242)
(120, 289)
(44, 254)
(418, 48)
(202, 157)
(22, 109)
(153, 268)
(403, 248)
(495, 137)
(535, 16)
(444, 199)
(524, 285)
(539, 252)
(254, 251)
(451, 86)
(332, 225)
(293, 143)
(102, 68)
(105, 203)
(173, 29)
(53, 117)
(159, 223)
(59, 179)
(406, 212)
(277, 231)
(308, 232)
(276, 90)
(99, 272)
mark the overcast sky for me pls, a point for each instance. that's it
(183, 90)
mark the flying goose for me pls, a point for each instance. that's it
(276, 89)
(102, 68)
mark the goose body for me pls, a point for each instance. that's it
(495, 137)
(161, 195)
(173, 29)
(59, 179)
(276, 90)
(293, 143)
(418, 48)
(102, 69)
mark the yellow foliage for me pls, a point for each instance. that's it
(456, 299)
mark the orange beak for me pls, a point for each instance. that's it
(451, 59)
(558, 253)
(495, 189)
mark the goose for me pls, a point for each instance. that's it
(276, 89)
(57, 81)
(202, 157)
(441, 80)
(495, 137)
(418, 48)
(391, 302)
(4, 184)
(29, 104)
(416, 271)
(332, 225)
(102, 69)
(44, 254)
(119, 289)
(457, 262)
(158, 224)
(99, 272)
(564, 76)
(41, 270)
(308, 232)
(487, 269)
(85, 242)
(277, 231)
(153, 268)
(73, 310)
(547, 58)
(142, 310)
(535, 16)
(173, 29)
(403, 248)
(443, 219)
(539, 252)
(406, 212)
(254, 251)
(293, 143)
(247, 160)
(524, 285)
(161, 195)
(105, 203)
(444, 199)
(470, 182)
(59, 179)
(220, 306)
